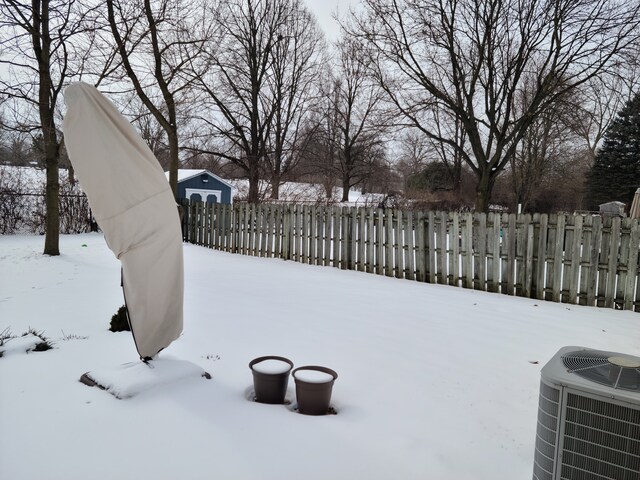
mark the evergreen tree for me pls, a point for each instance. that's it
(615, 174)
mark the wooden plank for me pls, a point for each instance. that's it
(454, 248)
(211, 228)
(594, 260)
(399, 243)
(268, 230)
(370, 239)
(379, 245)
(313, 235)
(410, 250)
(198, 223)
(326, 219)
(481, 271)
(335, 235)
(421, 268)
(353, 232)
(277, 231)
(625, 237)
(213, 241)
(632, 265)
(221, 245)
(518, 273)
(529, 248)
(231, 224)
(469, 257)
(511, 254)
(603, 261)
(522, 225)
(567, 258)
(493, 251)
(360, 239)
(542, 255)
(304, 234)
(252, 227)
(612, 264)
(246, 222)
(265, 230)
(389, 263)
(287, 215)
(239, 226)
(206, 222)
(588, 235)
(558, 258)
(442, 248)
(574, 271)
(431, 247)
(344, 238)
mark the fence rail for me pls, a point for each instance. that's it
(586, 260)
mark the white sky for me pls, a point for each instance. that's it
(324, 10)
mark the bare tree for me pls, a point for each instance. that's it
(355, 126)
(38, 43)
(472, 58)
(294, 88)
(156, 41)
(598, 101)
(235, 80)
(547, 145)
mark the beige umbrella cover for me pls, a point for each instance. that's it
(134, 206)
(634, 211)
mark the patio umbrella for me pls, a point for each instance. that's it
(135, 208)
(634, 211)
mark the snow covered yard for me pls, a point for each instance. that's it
(435, 382)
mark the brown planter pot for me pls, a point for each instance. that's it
(313, 389)
(270, 385)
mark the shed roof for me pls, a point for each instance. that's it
(187, 173)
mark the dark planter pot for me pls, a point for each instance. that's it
(270, 385)
(313, 389)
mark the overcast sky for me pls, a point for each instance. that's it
(324, 10)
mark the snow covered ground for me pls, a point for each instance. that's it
(435, 382)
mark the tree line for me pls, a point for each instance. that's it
(460, 101)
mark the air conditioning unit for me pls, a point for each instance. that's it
(588, 417)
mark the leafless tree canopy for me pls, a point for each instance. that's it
(157, 41)
(472, 59)
(41, 47)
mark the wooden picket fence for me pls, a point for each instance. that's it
(586, 260)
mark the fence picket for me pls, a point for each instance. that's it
(454, 257)
(612, 272)
(632, 266)
(481, 271)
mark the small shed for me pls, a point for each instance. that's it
(612, 209)
(204, 186)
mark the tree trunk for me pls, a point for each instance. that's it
(483, 191)
(41, 46)
(172, 135)
(275, 186)
(52, 235)
(254, 180)
(346, 185)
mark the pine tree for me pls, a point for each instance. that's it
(615, 174)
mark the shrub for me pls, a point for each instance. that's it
(120, 320)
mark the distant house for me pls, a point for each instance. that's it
(203, 186)
(612, 209)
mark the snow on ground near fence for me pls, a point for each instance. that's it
(295, 192)
(434, 382)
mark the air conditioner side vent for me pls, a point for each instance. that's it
(546, 435)
(600, 438)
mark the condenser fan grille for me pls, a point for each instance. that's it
(605, 368)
